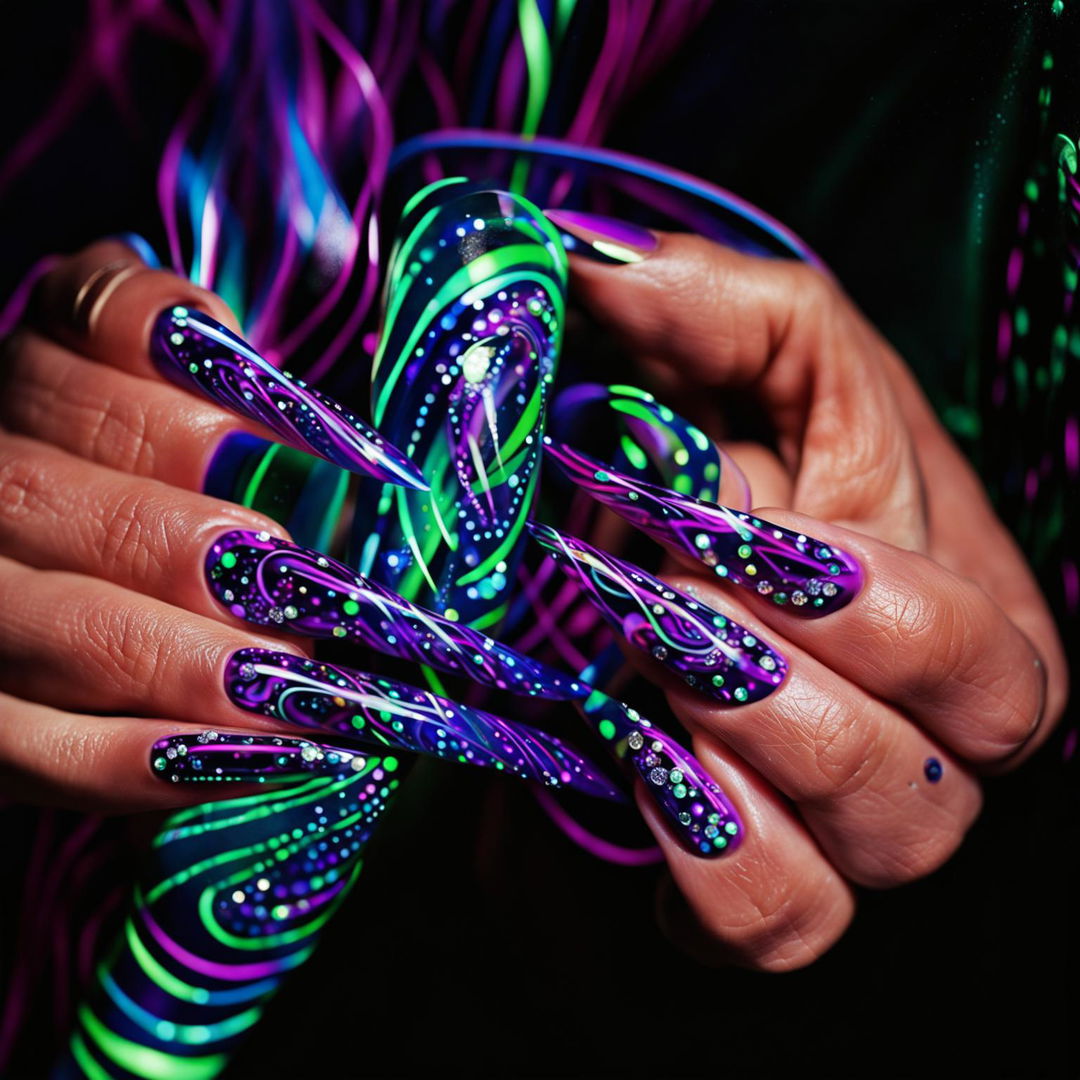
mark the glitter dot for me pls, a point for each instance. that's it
(933, 770)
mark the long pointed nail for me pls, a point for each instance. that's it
(371, 710)
(621, 241)
(697, 811)
(212, 757)
(709, 651)
(806, 575)
(272, 582)
(196, 351)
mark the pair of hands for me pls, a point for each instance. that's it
(947, 651)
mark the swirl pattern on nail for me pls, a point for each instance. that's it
(791, 569)
(375, 711)
(196, 351)
(269, 581)
(709, 651)
(214, 757)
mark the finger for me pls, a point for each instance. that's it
(787, 332)
(62, 513)
(77, 643)
(107, 764)
(899, 624)
(112, 418)
(151, 322)
(996, 561)
(775, 903)
(88, 763)
(855, 764)
(886, 803)
(932, 643)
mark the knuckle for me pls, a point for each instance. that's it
(123, 645)
(916, 857)
(785, 928)
(24, 483)
(117, 434)
(848, 749)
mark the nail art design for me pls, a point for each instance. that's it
(697, 811)
(792, 569)
(272, 582)
(211, 757)
(467, 355)
(268, 581)
(621, 241)
(378, 712)
(709, 651)
(196, 351)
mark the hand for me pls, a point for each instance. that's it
(862, 767)
(114, 655)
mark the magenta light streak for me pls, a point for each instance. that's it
(1072, 445)
(225, 972)
(1015, 269)
(595, 845)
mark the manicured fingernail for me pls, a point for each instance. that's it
(273, 582)
(619, 240)
(378, 712)
(219, 758)
(709, 651)
(793, 570)
(196, 351)
(696, 810)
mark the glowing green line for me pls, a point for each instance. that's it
(538, 61)
(86, 1061)
(259, 474)
(144, 1061)
(507, 545)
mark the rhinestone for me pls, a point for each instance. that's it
(658, 776)
(635, 740)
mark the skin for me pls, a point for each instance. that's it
(947, 651)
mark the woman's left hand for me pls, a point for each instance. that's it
(861, 767)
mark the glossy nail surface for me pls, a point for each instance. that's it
(698, 813)
(214, 757)
(793, 570)
(619, 240)
(196, 351)
(709, 651)
(272, 582)
(379, 712)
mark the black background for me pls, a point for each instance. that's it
(480, 940)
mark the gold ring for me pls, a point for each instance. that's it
(95, 290)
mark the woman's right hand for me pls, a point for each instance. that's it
(110, 638)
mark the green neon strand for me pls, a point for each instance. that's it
(146, 1062)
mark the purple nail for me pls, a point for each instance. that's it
(795, 571)
(212, 757)
(272, 582)
(376, 712)
(197, 352)
(619, 240)
(709, 651)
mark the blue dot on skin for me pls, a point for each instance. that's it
(933, 770)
